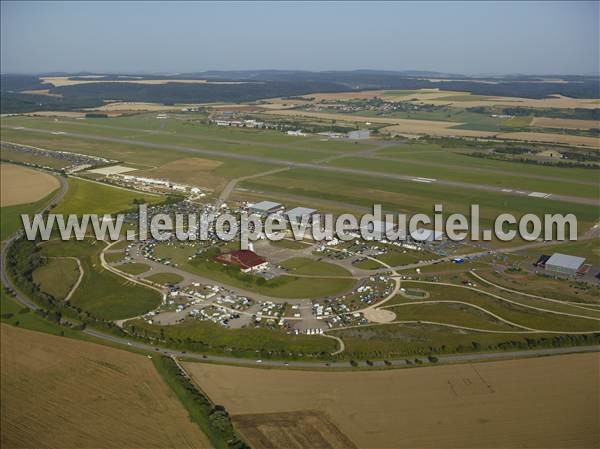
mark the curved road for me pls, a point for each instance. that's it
(126, 343)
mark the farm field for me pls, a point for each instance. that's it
(494, 405)
(401, 126)
(22, 185)
(547, 122)
(58, 392)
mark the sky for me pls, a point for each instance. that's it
(177, 37)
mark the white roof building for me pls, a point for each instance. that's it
(297, 213)
(563, 263)
(426, 235)
(378, 229)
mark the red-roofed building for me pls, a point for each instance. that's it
(247, 260)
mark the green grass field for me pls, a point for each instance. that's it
(133, 268)
(165, 278)
(517, 314)
(306, 266)
(288, 244)
(10, 216)
(13, 313)
(57, 276)
(412, 197)
(210, 337)
(504, 180)
(87, 197)
(420, 340)
(101, 292)
(456, 314)
(111, 257)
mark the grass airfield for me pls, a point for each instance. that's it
(450, 318)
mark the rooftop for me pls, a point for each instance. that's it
(243, 257)
(299, 212)
(565, 261)
(265, 205)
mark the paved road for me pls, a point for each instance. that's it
(308, 165)
(273, 363)
(5, 244)
(463, 358)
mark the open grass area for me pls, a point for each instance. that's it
(133, 268)
(10, 216)
(165, 278)
(543, 284)
(57, 276)
(457, 314)
(504, 180)
(515, 313)
(204, 336)
(432, 154)
(419, 340)
(304, 265)
(88, 197)
(590, 249)
(101, 292)
(413, 197)
(80, 394)
(113, 256)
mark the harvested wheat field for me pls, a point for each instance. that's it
(553, 138)
(308, 429)
(22, 185)
(63, 393)
(548, 122)
(548, 402)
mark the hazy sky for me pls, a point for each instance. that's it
(459, 37)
